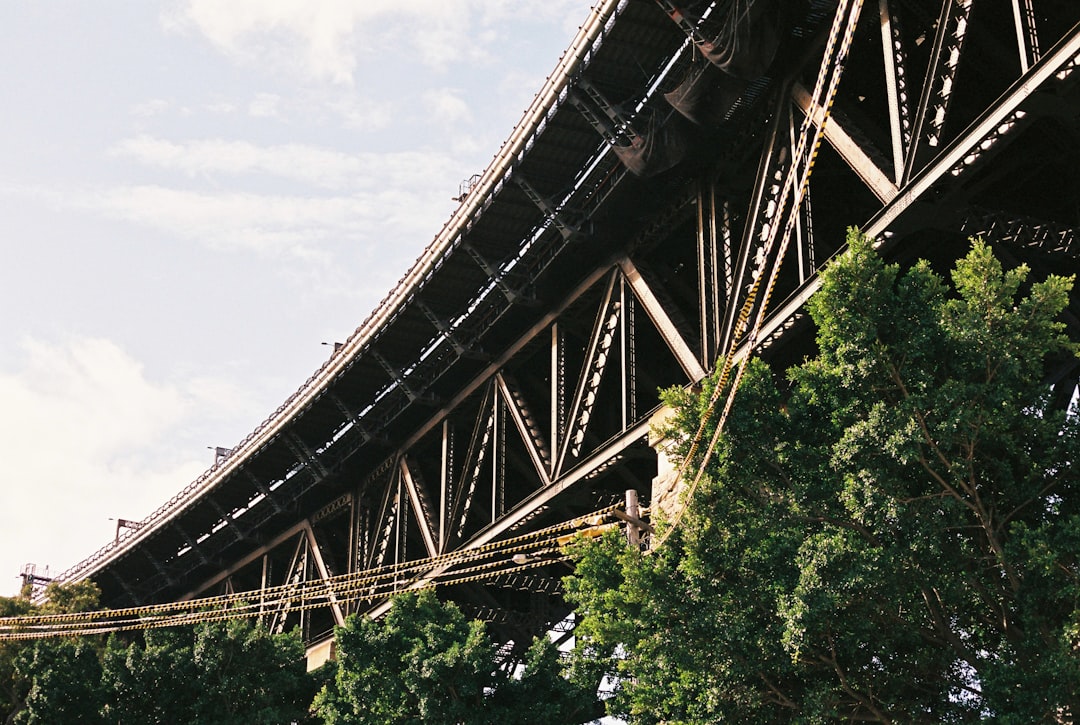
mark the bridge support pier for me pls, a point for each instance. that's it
(667, 487)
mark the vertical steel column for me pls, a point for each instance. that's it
(264, 583)
(558, 405)
(496, 446)
(896, 88)
(1027, 34)
(352, 557)
(624, 372)
(709, 274)
(703, 277)
(766, 183)
(631, 354)
(444, 483)
(725, 293)
(717, 263)
(402, 521)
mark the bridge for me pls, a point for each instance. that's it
(667, 199)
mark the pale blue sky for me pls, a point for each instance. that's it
(194, 195)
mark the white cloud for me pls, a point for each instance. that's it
(446, 106)
(270, 224)
(316, 166)
(265, 105)
(315, 35)
(327, 38)
(89, 387)
(85, 435)
(362, 198)
(151, 107)
(361, 114)
(353, 200)
(302, 228)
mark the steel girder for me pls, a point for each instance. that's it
(530, 402)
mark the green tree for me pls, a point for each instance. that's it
(219, 673)
(23, 664)
(65, 680)
(13, 687)
(891, 533)
(424, 662)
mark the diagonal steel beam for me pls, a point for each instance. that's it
(592, 371)
(421, 507)
(848, 149)
(528, 433)
(304, 454)
(682, 350)
(995, 125)
(324, 572)
(539, 500)
(937, 92)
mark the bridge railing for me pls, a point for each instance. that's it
(551, 95)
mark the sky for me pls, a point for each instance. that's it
(195, 196)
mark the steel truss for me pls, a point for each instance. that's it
(922, 122)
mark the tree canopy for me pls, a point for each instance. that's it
(59, 599)
(889, 532)
(217, 673)
(424, 662)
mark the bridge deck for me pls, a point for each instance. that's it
(507, 380)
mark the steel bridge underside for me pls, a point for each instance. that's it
(508, 381)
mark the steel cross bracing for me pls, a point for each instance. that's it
(508, 381)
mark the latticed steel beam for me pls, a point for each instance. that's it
(772, 165)
(446, 475)
(897, 87)
(387, 520)
(605, 117)
(258, 553)
(592, 372)
(513, 296)
(545, 205)
(686, 25)
(527, 428)
(714, 270)
(324, 572)
(304, 455)
(986, 135)
(132, 595)
(479, 447)
(678, 345)
(192, 544)
(263, 490)
(351, 416)
(340, 503)
(158, 566)
(295, 574)
(1046, 236)
(541, 498)
(937, 90)
(397, 376)
(459, 348)
(1027, 34)
(227, 519)
(420, 505)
